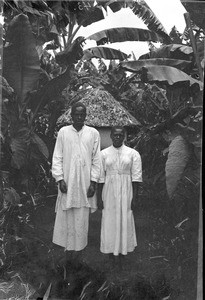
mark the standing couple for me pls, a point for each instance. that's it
(78, 167)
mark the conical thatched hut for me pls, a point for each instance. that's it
(103, 112)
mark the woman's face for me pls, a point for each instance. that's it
(117, 137)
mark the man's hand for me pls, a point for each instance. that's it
(91, 189)
(62, 186)
(133, 204)
(99, 196)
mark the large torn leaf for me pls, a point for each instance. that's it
(20, 139)
(104, 52)
(176, 162)
(19, 150)
(197, 11)
(23, 144)
(168, 75)
(36, 140)
(123, 34)
(176, 51)
(136, 65)
(21, 66)
(142, 10)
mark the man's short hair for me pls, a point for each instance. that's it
(117, 127)
(77, 104)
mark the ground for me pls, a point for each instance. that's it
(149, 272)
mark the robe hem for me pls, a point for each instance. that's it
(68, 249)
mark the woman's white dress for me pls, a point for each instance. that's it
(120, 167)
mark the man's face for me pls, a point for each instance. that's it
(117, 137)
(78, 116)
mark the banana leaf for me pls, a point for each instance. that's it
(37, 141)
(168, 75)
(114, 5)
(176, 51)
(176, 162)
(21, 66)
(90, 11)
(19, 148)
(123, 34)
(104, 52)
(34, 7)
(136, 65)
(197, 11)
(89, 14)
(143, 11)
(23, 142)
(5, 87)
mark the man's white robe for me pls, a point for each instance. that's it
(76, 159)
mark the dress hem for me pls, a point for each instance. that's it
(112, 252)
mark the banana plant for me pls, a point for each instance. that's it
(50, 20)
(53, 21)
(21, 70)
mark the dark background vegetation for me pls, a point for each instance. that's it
(36, 89)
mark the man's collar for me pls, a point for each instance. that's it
(119, 148)
(78, 130)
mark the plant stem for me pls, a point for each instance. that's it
(73, 34)
(193, 43)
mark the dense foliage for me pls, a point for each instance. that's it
(45, 70)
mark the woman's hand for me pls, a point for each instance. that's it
(62, 186)
(135, 196)
(100, 205)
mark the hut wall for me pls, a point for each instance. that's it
(105, 137)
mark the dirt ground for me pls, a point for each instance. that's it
(146, 269)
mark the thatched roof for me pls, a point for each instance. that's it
(102, 111)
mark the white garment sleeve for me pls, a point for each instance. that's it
(136, 171)
(102, 168)
(57, 161)
(95, 164)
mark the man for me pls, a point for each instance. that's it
(76, 168)
(118, 193)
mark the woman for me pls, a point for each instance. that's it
(118, 189)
